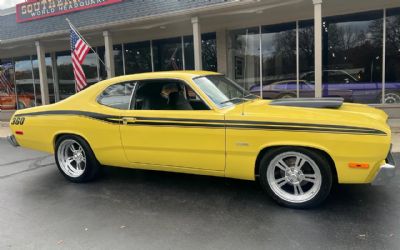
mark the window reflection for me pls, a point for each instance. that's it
(208, 50)
(137, 57)
(26, 92)
(168, 54)
(245, 56)
(50, 81)
(118, 61)
(306, 58)
(352, 57)
(8, 99)
(66, 78)
(279, 61)
(392, 72)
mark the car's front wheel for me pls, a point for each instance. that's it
(75, 159)
(295, 177)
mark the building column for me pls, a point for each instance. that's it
(55, 76)
(222, 52)
(198, 64)
(318, 47)
(109, 54)
(44, 85)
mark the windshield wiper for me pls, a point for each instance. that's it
(234, 99)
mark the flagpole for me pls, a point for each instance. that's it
(79, 34)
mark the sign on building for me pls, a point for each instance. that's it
(37, 9)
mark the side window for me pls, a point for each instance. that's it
(166, 95)
(117, 96)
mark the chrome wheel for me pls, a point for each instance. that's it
(71, 158)
(392, 98)
(294, 177)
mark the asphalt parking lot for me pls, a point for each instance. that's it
(134, 209)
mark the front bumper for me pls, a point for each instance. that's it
(386, 171)
(11, 139)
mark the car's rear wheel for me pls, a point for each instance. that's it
(75, 159)
(295, 177)
(391, 98)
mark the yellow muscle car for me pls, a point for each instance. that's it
(201, 122)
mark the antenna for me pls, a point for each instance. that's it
(245, 66)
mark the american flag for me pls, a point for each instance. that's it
(5, 82)
(79, 50)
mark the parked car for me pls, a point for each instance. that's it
(336, 83)
(200, 122)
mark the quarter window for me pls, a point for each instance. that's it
(117, 96)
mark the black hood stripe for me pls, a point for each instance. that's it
(233, 124)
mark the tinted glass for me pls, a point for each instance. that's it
(137, 57)
(66, 80)
(208, 49)
(117, 96)
(118, 61)
(352, 49)
(392, 73)
(167, 54)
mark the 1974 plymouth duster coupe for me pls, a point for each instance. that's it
(203, 123)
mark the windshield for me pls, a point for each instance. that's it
(223, 91)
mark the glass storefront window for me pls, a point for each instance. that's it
(66, 80)
(392, 72)
(137, 57)
(118, 61)
(244, 55)
(167, 54)
(279, 77)
(208, 49)
(306, 58)
(26, 91)
(8, 100)
(49, 69)
(352, 57)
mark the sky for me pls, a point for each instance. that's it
(9, 3)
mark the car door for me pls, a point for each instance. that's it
(175, 138)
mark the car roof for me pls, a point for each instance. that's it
(165, 74)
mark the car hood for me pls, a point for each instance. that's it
(348, 114)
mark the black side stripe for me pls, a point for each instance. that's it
(256, 123)
(233, 124)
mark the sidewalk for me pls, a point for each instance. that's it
(395, 125)
(4, 129)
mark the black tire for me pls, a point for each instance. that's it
(92, 168)
(322, 164)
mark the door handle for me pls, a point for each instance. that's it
(127, 120)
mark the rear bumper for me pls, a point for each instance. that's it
(11, 139)
(386, 171)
